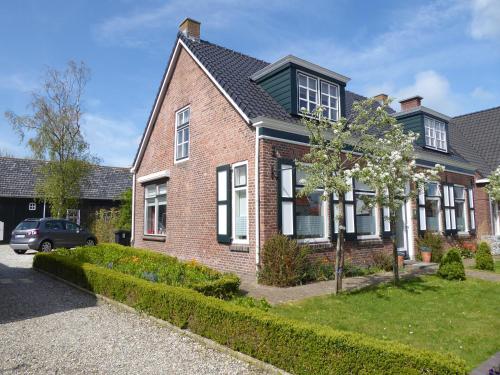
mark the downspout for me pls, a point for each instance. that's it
(257, 202)
(133, 211)
(44, 208)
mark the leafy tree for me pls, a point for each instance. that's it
(125, 213)
(54, 131)
(388, 164)
(493, 188)
(327, 165)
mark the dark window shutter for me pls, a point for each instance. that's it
(422, 220)
(450, 219)
(472, 212)
(350, 213)
(223, 181)
(286, 197)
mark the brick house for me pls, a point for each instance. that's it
(214, 174)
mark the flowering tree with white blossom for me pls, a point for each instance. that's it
(328, 166)
(493, 187)
(388, 165)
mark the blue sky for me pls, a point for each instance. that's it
(446, 51)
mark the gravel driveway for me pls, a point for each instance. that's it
(49, 327)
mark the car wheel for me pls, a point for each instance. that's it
(20, 251)
(46, 246)
(90, 242)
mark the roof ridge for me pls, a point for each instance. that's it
(476, 112)
(181, 35)
(45, 161)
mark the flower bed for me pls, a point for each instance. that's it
(156, 267)
(297, 347)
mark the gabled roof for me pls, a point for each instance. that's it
(18, 178)
(478, 138)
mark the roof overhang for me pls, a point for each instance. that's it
(483, 181)
(290, 59)
(423, 109)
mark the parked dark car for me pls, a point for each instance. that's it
(47, 234)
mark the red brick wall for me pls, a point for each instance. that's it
(218, 136)
(483, 212)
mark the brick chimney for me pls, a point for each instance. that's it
(410, 103)
(381, 98)
(190, 28)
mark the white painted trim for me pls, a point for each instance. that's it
(257, 202)
(483, 181)
(161, 94)
(132, 236)
(318, 92)
(233, 201)
(176, 159)
(154, 176)
(424, 110)
(214, 81)
(409, 229)
(300, 62)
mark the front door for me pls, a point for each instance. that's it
(402, 231)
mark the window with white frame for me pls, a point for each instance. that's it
(240, 203)
(182, 134)
(311, 94)
(330, 100)
(460, 208)
(73, 214)
(310, 211)
(435, 134)
(155, 209)
(308, 93)
(32, 206)
(366, 221)
(432, 206)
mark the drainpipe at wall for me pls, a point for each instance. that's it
(257, 203)
(132, 228)
(44, 202)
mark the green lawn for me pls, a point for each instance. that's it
(449, 316)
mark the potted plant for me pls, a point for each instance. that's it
(401, 258)
(426, 253)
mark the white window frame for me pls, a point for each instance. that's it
(435, 131)
(32, 206)
(156, 218)
(187, 126)
(324, 212)
(73, 212)
(438, 199)
(330, 97)
(318, 93)
(465, 212)
(376, 210)
(233, 211)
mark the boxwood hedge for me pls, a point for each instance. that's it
(153, 266)
(294, 346)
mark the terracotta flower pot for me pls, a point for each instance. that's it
(426, 256)
(401, 261)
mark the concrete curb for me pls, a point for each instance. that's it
(200, 339)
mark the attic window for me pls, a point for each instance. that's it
(435, 134)
(313, 92)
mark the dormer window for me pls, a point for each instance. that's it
(435, 134)
(310, 97)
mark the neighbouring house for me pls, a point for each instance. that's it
(101, 189)
(479, 141)
(214, 174)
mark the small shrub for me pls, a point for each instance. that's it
(383, 261)
(321, 270)
(434, 241)
(467, 249)
(484, 259)
(284, 262)
(451, 266)
(254, 303)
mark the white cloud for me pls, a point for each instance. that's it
(113, 140)
(17, 82)
(435, 89)
(485, 22)
(482, 94)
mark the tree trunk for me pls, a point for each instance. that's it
(395, 265)
(339, 251)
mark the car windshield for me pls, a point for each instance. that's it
(28, 224)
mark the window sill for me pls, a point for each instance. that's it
(367, 241)
(151, 237)
(239, 248)
(179, 161)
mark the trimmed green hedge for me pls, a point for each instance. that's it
(157, 267)
(294, 346)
